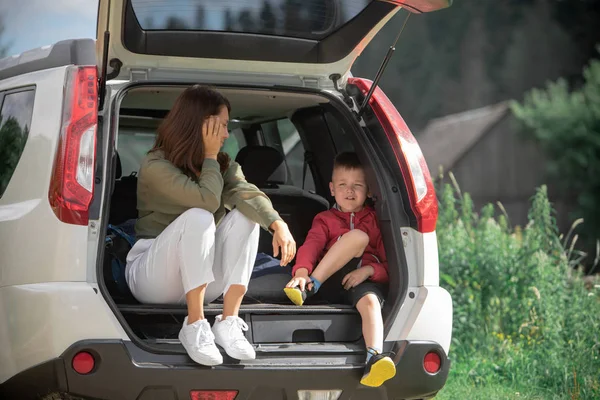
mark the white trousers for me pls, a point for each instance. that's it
(191, 252)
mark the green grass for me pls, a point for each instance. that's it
(523, 319)
(464, 389)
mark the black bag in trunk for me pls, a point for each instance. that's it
(116, 247)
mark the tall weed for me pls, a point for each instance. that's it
(521, 313)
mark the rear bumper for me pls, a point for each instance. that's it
(124, 371)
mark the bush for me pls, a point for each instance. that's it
(566, 125)
(522, 316)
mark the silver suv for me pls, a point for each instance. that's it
(76, 118)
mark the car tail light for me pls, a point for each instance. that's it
(83, 363)
(72, 184)
(432, 362)
(213, 394)
(421, 193)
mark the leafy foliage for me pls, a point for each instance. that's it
(12, 142)
(477, 53)
(566, 125)
(522, 317)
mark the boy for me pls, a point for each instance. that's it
(344, 249)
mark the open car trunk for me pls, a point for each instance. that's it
(309, 128)
(286, 64)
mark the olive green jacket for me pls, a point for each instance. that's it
(164, 192)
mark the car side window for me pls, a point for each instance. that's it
(283, 135)
(234, 143)
(15, 122)
(132, 145)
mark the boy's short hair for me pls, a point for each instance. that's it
(347, 160)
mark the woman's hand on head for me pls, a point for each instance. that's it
(283, 242)
(211, 136)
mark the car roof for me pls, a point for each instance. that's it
(65, 52)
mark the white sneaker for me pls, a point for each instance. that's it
(199, 342)
(229, 334)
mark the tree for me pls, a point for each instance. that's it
(148, 23)
(229, 21)
(200, 18)
(174, 22)
(268, 19)
(3, 47)
(566, 125)
(294, 17)
(246, 21)
(12, 142)
(477, 53)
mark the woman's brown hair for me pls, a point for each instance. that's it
(180, 133)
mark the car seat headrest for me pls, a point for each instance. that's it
(262, 165)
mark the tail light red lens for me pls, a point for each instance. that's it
(432, 362)
(72, 184)
(83, 363)
(415, 172)
(213, 394)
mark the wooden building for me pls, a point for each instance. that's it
(491, 160)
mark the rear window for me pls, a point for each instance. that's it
(306, 19)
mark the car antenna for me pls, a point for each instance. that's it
(382, 67)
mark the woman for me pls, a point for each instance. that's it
(188, 250)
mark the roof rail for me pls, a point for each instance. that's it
(65, 52)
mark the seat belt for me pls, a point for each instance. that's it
(308, 158)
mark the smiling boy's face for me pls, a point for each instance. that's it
(349, 187)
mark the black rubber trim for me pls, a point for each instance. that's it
(347, 119)
(269, 356)
(215, 309)
(245, 46)
(376, 130)
(124, 371)
(399, 202)
(65, 52)
(391, 208)
(95, 206)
